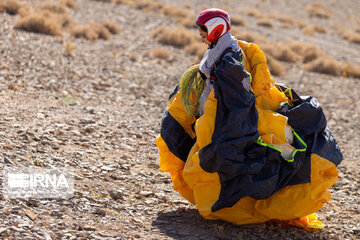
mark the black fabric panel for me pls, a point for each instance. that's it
(308, 119)
(174, 92)
(175, 137)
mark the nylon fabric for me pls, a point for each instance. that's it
(240, 181)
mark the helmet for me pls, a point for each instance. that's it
(216, 21)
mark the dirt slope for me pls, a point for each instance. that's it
(99, 112)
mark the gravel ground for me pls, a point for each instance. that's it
(98, 112)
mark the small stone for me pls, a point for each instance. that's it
(88, 228)
(146, 193)
(100, 212)
(86, 121)
(115, 194)
(30, 214)
(8, 161)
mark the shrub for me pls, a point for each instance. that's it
(251, 12)
(196, 48)
(238, 21)
(351, 70)
(280, 52)
(44, 22)
(111, 26)
(68, 3)
(54, 7)
(265, 22)
(325, 65)
(246, 36)
(91, 31)
(12, 7)
(179, 37)
(318, 10)
(160, 53)
(311, 29)
(275, 66)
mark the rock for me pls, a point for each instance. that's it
(30, 214)
(116, 194)
(146, 193)
(86, 121)
(100, 212)
(8, 161)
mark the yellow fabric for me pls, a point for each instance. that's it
(168, 161)
(203, 188)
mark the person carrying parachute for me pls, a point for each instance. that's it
(241, 147)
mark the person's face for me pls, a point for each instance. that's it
(203, 36)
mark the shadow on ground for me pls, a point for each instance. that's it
(188, 224)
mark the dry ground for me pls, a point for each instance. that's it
(99, 111)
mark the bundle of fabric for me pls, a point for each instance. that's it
(254, 154)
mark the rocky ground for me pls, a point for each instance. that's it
(98, 112)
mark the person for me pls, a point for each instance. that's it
(241, 147)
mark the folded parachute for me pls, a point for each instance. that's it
(258, 152)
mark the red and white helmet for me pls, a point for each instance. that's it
(216, 21)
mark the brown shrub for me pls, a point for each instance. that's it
(68, 3)
(179, 37)
(287, 20)
(91, 31)
(54, 7)
(175, 12)
(196, 48)
(319, 10)
(351, 70)
(237, 21)
(311, 29)
(251, 12)
(265, 22)
(188, 5)
(275, 66)
(246, 36)
(44, 22)
(12, 7)
(160, 53)
(111, 26)
(188, 22)
(280, 52)
(325, 65)
(308, 52)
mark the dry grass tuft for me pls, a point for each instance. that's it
(57, 8)
(179, 37)
(265, 22)
(325, 65)
(69, 48)
(280, 52)
(188, 22)
(319, 10)
(308, 52)
(12, 7)
(44, 22)
(351, 70)
(160, 53)
(311, 29)
(111, 26)
(246, 36)
(237, 21)
(251, 12)
(275, 66)
(196, 48)
(68, 3)
(351, 36)
(91, 31)
(287, 20)
(175, 12)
